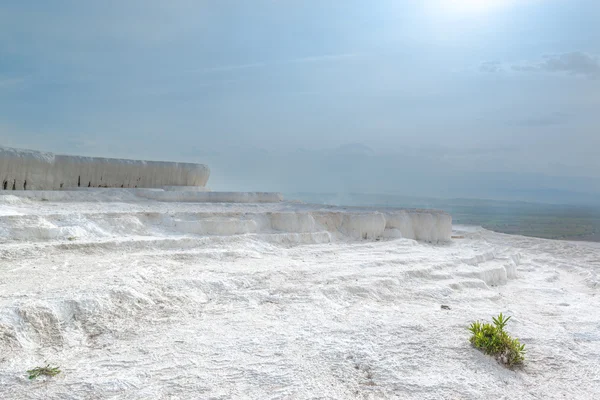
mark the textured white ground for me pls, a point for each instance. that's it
(132, 308)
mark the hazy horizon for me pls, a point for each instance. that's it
(444, 99)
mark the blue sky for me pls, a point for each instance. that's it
(440, 97)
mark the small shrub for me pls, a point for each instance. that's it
(39, 371)
(493, 340)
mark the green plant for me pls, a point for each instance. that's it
(492, 339)
(47, 371)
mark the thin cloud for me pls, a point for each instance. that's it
(226, 68)
(552, 119)
(490, 67)
(327, 57)
(264, 64)
(574, 63)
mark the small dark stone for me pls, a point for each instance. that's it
(445, 307)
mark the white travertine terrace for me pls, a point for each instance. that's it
(146, 299)
(70, 179)
(34, 170)
(223, 214)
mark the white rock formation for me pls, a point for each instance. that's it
(34, 170)
(135, 298)
(93, 216)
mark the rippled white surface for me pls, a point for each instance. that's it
(140, 299)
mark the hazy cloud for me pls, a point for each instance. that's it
(226, 68)
(556, 118)
(262, 64)
(525, 68)
(490, 66)
(573, 63)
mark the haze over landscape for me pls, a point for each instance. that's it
(494, 99)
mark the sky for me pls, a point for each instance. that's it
(444, 98)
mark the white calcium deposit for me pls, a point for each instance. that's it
(135, 298)
(34, 170)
